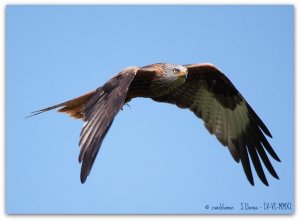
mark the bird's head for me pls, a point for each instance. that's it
(166, 77)
(176, 71)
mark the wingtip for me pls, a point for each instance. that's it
(84, 172)
(82, 178)
(250, 179)
(276, 176)
(266, 132)
(264, 128)
(277, 158)
(80, 158)
(265, 182)
(251, 182)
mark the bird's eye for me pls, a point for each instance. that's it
(176, 70)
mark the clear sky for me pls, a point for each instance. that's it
(156, 158)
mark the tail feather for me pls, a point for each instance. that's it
(72, 107)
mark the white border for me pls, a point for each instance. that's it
(3, 216)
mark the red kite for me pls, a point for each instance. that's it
(202, 88)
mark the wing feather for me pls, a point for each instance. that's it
(99, 113)
(244, 158)
(212, 97)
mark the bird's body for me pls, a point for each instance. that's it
(151, 84)
(202, 88)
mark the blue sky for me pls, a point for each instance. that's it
(156, 158)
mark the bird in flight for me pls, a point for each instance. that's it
(201, 88)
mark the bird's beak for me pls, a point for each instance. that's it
(182, 74)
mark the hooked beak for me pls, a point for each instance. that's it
(183, 74)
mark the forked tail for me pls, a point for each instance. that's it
(72, 107)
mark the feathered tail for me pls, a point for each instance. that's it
(72, 107)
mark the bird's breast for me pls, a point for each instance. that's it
(154, 86)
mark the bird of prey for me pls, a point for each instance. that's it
(201, 88)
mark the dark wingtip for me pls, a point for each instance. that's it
(83, 177)
(276, 157)
(251, 181)
(265, 182)
(80, 157)
(260, 123)
(265, 129)
(276, 176)
(82, 180)
(249, 175)
(85, 170)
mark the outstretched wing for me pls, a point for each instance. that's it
(226, 114)
(98, 114)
